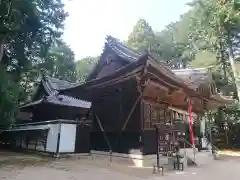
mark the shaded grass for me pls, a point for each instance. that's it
(22, 161)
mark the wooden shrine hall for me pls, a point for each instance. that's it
(131, 93)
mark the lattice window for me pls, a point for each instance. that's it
(161, 116)
(154, 116)
(168, 118)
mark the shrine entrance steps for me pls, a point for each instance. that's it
(199, 159)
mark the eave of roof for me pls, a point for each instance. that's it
(122, 50)
(222, 99)
(128, 68)
(53, 85)
(61, 100)
(195, 77)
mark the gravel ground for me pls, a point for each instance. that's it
(31, 167)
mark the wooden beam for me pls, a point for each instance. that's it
(157, 85)
(152, 101)
(168, 103)
(162, 81)
(131, 112)
(104, 134)
(170, 76)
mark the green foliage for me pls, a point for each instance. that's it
(204, 59)
(30, 42)
(142, 37)
(206, 36)
(171, 45)
(84, 67)
(60, 63)
(9, 97)
(28, 29)
(216, 24)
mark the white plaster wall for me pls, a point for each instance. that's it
(67, 139)
(52, 138)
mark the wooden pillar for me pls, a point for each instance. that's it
(120, 105)
(36, 141)
(157, 146)
(142, 115)
(58, 139)
(27, 139)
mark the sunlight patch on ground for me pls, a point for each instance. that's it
(229, 153)
(137, 160)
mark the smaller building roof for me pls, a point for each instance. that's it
(68, 101)
(61, 100)
(53, 85)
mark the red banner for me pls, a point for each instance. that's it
(190, 122)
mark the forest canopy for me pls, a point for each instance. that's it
(31, 44)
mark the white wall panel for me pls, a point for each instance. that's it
(68, 137)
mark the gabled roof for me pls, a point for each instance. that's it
(131, 57)
(126, 55)
(53, 85)
(122, 50)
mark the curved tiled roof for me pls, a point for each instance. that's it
(194, 77)
(122, 50)
(61, 100)
(68, 101)
(52, 86)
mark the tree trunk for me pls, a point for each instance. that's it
(231, 60)
(1, 50)
(222, 60)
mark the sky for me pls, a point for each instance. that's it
(90, 21)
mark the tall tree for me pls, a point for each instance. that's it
(218, 20)
(166, 46)
(142, 38)
(27, 30)
(9, 97)
(84, 67)
(60, 63)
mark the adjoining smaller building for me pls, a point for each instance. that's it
(52, 122)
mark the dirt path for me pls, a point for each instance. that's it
(29, 167)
